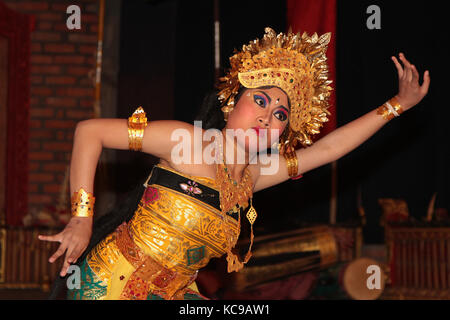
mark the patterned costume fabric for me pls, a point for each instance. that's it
(176, 229)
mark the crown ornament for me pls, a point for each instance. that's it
(295, 63)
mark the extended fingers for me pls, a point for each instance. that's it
(68, 260)
(412, 75)
(62, 248)
(415, 73)
(408, 73)
(64, 268)
(426, 83)
(75, 254)
(54, 238)
(398, 66)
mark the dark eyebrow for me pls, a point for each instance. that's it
(267, 96)
(283, 107)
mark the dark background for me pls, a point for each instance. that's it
(167, 66)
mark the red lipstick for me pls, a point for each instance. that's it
(258, 132)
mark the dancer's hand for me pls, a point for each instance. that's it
(410, 91)
(73, 240)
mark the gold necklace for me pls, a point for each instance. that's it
(232, 195)
(231, 192)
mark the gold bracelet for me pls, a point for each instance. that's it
(292, 163)
(82, 204)
(390, 109)
(136, 125)
(396, 105)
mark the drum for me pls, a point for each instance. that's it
(360, 279)
(279, 256)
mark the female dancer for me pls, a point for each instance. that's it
(194, 198)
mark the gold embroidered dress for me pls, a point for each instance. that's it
(176, 229)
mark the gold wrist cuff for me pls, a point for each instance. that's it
(390, 109)
(136, 125)
(292, 163)
(82, 204)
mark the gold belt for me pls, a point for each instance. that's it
(149, 275)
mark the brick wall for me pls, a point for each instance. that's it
(62, 90)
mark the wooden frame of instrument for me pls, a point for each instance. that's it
(419, 258)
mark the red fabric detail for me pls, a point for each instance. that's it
(318, 16)
(17, 28)
(136, 289)
(151, 195)
(164, 278)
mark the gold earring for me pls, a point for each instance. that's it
(227, 109)
(276, 145)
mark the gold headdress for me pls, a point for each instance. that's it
(294, 63)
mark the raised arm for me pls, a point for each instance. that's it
(348, 137)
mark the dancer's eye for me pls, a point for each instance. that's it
(259, 100)
(281, 115)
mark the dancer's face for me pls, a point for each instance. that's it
(260, 109)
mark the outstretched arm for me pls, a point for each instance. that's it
(90, 137)
(346, 138)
